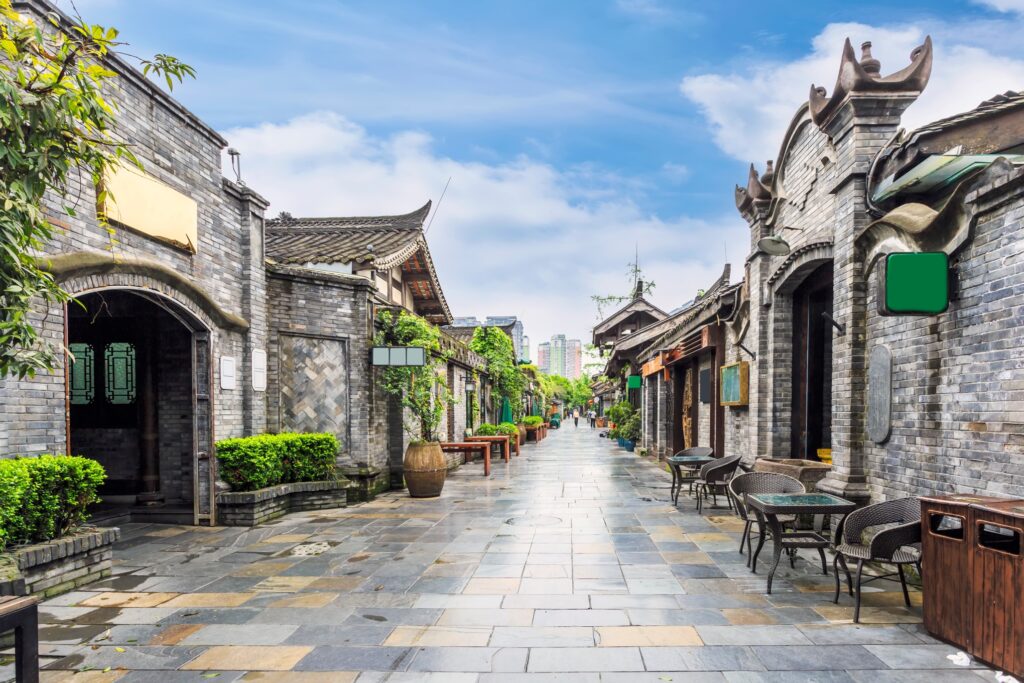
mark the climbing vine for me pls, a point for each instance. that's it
(422, 390)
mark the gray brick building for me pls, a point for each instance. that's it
(195, 321)
(903, 404)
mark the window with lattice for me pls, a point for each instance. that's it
(119, 373)
(82, 374)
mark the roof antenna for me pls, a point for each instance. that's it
(438, 207)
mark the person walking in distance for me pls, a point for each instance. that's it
(576, 417)
(592, 416)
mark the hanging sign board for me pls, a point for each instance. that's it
(735, 384)
(227, 372)
(259, 370)
(634, 382)
(398, 356)
(914, 284)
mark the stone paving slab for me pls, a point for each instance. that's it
(569, 564)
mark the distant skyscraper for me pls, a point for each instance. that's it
(558, 355)
(466, 321)
(561, 356)
(544, 356)
(525, 356)
(573, 358)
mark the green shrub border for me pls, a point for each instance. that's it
(255, 462)
(486, 429)
(45, 497)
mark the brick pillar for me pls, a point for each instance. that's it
(859, 128)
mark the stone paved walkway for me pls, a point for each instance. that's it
(569, 564)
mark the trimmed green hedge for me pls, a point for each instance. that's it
(256, 462)
(486, 429)
(533, 421)
(43, 498)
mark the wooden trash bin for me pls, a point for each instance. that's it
(947, 563)
(997, 584)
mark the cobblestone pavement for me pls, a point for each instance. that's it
(569, 564)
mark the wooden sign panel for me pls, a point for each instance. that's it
(735, 383)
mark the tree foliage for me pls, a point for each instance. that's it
(423, 390)
(496, 347)
(56, 130)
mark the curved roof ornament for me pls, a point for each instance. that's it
(864, 76)
(758, 193)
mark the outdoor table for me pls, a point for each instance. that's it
(768, 507)
(503, 440)
(675, 465)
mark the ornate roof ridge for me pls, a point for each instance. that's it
(406, 221)
(864, 76)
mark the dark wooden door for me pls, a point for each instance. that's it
(812, 364)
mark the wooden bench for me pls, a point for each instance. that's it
(506, 450)
(469, 448)
(21, 615)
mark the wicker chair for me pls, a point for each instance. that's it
(714, 479)
(760, 482)
(682, 474)
(901, 520)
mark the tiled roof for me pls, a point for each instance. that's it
(384, 241)
(994, 105)
(378, 242)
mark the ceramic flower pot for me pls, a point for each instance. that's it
(425, 469)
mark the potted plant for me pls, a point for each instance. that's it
(631, 432)
(424, 395)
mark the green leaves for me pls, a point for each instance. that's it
(45, 497)
(56, 135)
(255, 462)
(496, 347)
(423, 390)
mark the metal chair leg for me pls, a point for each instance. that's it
(846, 570)
(824, 564)
(856, 604)
(903, 583)
(745, 538)
(835, 570)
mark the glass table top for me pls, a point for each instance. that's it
(691, 458)
(797, 499)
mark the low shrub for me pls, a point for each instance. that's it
(509, 429)
(620, 412)
(631, 429)
(533, 421)
(256, 462)
(45, 497)
(486, 429)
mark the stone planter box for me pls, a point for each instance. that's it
(249, 508)
(58, 566)
(808, 472)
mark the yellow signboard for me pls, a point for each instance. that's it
(146, 205)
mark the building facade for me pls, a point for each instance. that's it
(902, 404)
(217, 324)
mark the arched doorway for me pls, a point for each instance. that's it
(138, 402)
(812, 364)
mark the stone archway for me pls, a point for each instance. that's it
(132, 299)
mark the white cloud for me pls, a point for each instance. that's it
(748, 109)
(520, 237)
(1003, 5)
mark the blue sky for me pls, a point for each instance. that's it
(571, 130)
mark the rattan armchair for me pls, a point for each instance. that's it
(714, 478)
(898, 543)
(760, 482)
(681, 474)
